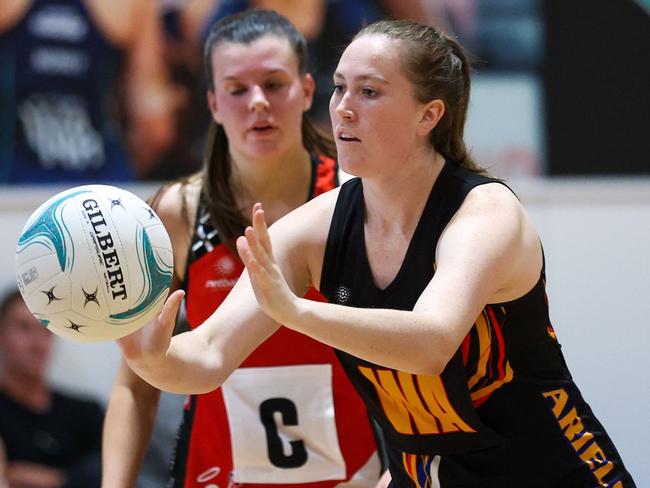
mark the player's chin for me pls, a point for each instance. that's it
(352, 165)
(264, 153)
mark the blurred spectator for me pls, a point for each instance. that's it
(183, 60)
(504, 35)
(52, 439)
(509, 34)
(71, 69)
(439, 13)
(456, 17)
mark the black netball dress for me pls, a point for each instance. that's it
(505, 411)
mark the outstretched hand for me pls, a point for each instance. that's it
(271, 289)
(149, 344)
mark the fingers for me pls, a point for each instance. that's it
(257, 248)
(246, 255)
(259, 254)
(170, 309)
(261, 230)
(243, 250)
(150, 338)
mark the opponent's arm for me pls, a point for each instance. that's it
(129, 421)
(488, 253)
(384, 481)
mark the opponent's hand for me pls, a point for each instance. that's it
(149, 344)
(271, 289)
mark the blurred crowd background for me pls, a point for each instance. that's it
(91, 91)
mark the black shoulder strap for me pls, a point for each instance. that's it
(347, 211)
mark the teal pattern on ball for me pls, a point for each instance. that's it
(157, 278)
(49, 230)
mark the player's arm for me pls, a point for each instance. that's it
(128, 424)
(384, 481)
(150, 102)
(133, 404)
(200, 360)
(488, 253)
(25, 474)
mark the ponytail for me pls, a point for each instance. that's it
(217, 188)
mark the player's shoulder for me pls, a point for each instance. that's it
(311, 220)
(176, 203)
(170, 197)
(492, 209)
(323, 201)
(491, 198)
(316, 208)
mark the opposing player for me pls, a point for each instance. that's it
(289, 416)
(436, 280)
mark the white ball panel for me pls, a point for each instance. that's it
(34, 274)
(158, 236)
(165, 256)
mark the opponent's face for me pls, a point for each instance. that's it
(24, 342)
(259, 96)
(376, 118)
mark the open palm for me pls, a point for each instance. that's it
(271, 289)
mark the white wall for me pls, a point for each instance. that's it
(504, 129)
(596, 235)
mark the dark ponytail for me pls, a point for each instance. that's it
(217, 187)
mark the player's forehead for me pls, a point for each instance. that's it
(370, 56)
(268, 54)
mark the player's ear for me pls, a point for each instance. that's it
(212, 105)
(308, 87)
(431, 115)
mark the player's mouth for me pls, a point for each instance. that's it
(262, 128)
(346, 136)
